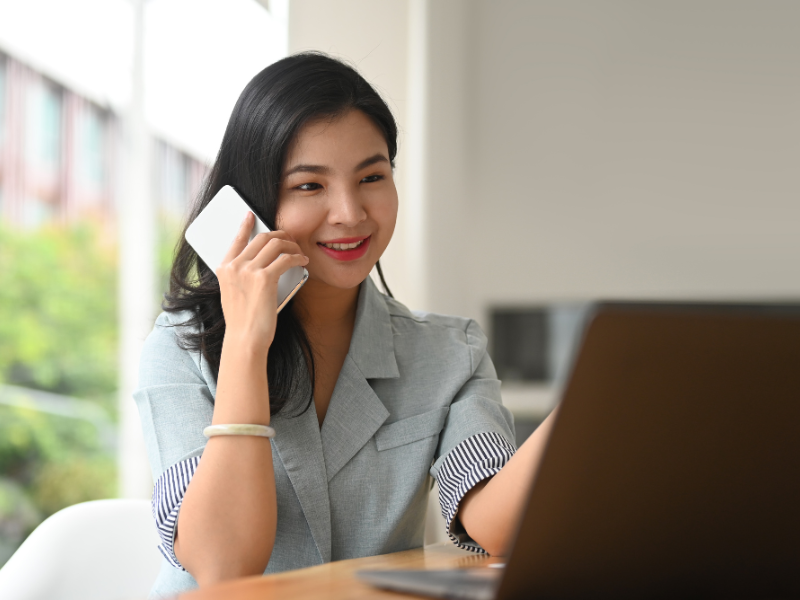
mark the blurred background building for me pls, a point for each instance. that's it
(552, 153)
(61, 156)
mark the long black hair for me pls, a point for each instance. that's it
(270, 112)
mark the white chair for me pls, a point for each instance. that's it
(105, 549)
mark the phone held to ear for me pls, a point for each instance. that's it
(212, 232)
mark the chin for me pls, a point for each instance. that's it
(342, 281)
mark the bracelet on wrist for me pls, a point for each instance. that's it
(239, 429)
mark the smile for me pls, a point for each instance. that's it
(343, 246)
(346, 248)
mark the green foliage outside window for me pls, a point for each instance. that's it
(58, 299)
(47, 462)
(58, 334)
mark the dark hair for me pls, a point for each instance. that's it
(270, 112)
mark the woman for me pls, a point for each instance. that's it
(397, 396)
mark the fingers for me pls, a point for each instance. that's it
(246, 249)
(274, 248)
(262, 240)
(241, 239)
(285, 262)
(266, 255)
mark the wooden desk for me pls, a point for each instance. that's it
(336, 580)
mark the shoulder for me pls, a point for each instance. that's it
(404, 318)
(167, 332)
(179, 320)
(164, 355)
(175, 393)
(442, 331)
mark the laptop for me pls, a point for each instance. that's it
(672, 470)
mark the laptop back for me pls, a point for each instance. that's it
(674, 464)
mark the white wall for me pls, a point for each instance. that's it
(373, 36)
(634, 149)
(583, 149)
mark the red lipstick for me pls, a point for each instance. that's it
(346, 254)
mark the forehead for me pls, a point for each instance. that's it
(336, 142)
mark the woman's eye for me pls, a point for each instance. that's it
(372, 178)
(309, 187)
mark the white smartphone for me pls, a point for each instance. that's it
(211, 235)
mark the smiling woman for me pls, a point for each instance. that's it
(399, 397)
(338, 199)
(271, 165)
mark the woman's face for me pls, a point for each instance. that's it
(338, 199)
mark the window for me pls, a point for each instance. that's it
(43, 126)
(2, 100)
(171, 169)
(92, 147)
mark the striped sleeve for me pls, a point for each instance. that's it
(473, 460)
(167, 498)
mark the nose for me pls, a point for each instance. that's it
(346, 207)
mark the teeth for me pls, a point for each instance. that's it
(344, 246)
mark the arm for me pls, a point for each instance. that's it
(491, 510)
(227, 522)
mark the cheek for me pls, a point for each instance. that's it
(297, 223)
(385, 214)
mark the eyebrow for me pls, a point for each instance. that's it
(376, 158)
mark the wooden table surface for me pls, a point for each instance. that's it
(336, 580)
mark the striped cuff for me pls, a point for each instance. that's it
(167, 498)
(469, 463)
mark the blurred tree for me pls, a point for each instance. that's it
(47, 462)
(18, 517)
(58, 333)
(58, 300)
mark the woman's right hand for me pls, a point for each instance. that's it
(248, 282)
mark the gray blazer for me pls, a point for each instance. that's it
(413, 386)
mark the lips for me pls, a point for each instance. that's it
(346, 249)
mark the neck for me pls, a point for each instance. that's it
(319, 305)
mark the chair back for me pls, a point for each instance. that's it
(105, 549)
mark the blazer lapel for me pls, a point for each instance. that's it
(355, 412)
(312, 457)
(300, 449)
(354, 415)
